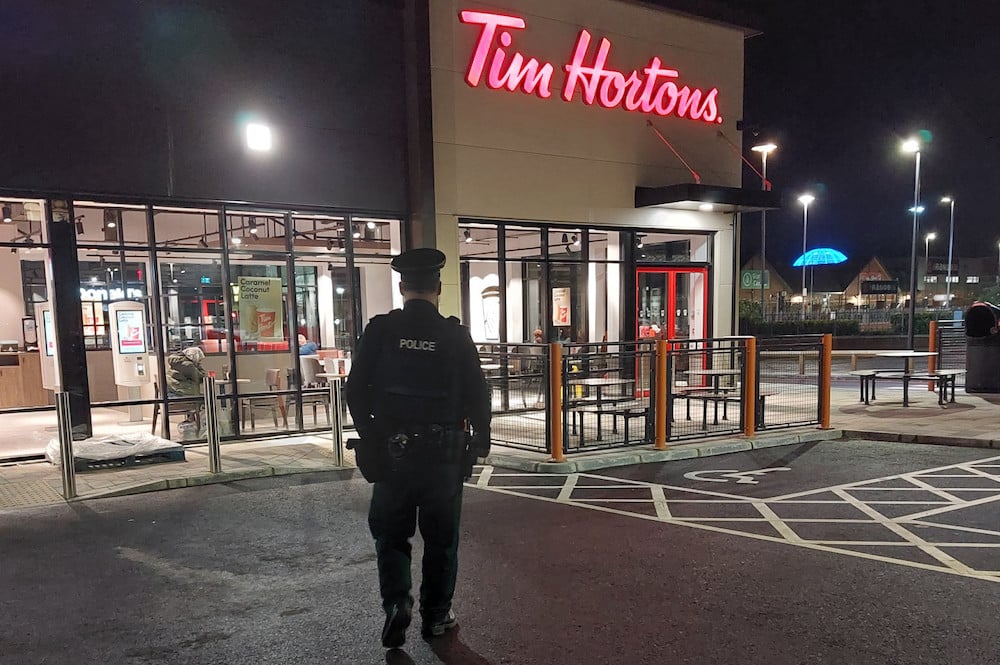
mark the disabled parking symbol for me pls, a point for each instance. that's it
(730, 475)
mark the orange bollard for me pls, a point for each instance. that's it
(932, 347)
(826, 369)
(660, 408)
(750, 387)
(555, 401)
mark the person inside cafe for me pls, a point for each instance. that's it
(307, 347)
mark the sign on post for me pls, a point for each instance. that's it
(750, 279)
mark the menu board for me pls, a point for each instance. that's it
(131, 326)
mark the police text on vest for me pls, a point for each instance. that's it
(417, 344)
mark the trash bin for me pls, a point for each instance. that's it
(982, 351)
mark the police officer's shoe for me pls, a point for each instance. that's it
(439, 626)
(397, 620)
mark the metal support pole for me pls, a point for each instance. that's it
(337, 426)
(212, 424)
(911, 319)
(66, 445)
(660, 408)
(932, 347)
(750, 387)
(825, 369)
(555, 402)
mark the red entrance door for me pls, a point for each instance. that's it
(671, 303)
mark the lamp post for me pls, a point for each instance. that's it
(805, 200)
(927, 260)
(951, 240)
(913, 146)
(927, 245)
(764, 150)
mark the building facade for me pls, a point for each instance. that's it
(578, 162)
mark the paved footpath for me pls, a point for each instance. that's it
(632, 565)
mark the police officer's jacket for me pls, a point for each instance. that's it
(414, 367)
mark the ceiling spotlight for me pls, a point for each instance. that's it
(356, 234)
(576, 240)
(237, 240)
(340, 290)
(371, 225)
(468, 235)
(705, 207)
(7, 219)
(253, 225)
(329, 266)
(329, 246)
(565, 239)
(203, 242)
(79, 226)
(639, 244)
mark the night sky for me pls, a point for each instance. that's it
(837, 84)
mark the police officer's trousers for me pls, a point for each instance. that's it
(429, 495)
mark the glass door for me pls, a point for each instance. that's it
(671, 303)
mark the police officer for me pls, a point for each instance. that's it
(415, 387)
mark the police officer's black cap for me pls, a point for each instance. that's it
(420, 268)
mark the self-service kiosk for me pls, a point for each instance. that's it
(47, 345)
(130, 350)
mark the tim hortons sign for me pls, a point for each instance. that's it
(654, 89)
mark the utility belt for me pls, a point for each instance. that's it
(429, 443)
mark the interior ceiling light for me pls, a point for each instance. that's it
(7, 219)
(237, 240)
(705, 207)
(357, 233)
(468, 236)
(639, 244)
(565, 239)
(253, 225)
(371, 225)
(329, 245)
(576, 240)
(329, 266)
(79, 226)
(203, 242)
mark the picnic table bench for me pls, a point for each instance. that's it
(944, 380)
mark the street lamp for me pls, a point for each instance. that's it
(764, 150)
(927, 259)
(951, 239)
(805, 200)
(258, 137)
(913, 146)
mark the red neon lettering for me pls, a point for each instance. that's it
(651, 90)
(529, 75)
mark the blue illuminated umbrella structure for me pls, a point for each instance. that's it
(821, 256)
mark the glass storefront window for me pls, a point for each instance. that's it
(672, 248)
(477, 241)
(522, 243)
(107, 224)
(184, 228)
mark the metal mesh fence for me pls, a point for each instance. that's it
(705, 378)
(607, 395)
(518, 376)
(788, 380)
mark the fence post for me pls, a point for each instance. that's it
(825, 370)
(66, 445)
(660, 408)
(337, 426)
(750, 387)
(212, 423)
(932, 347)
(555, 400)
